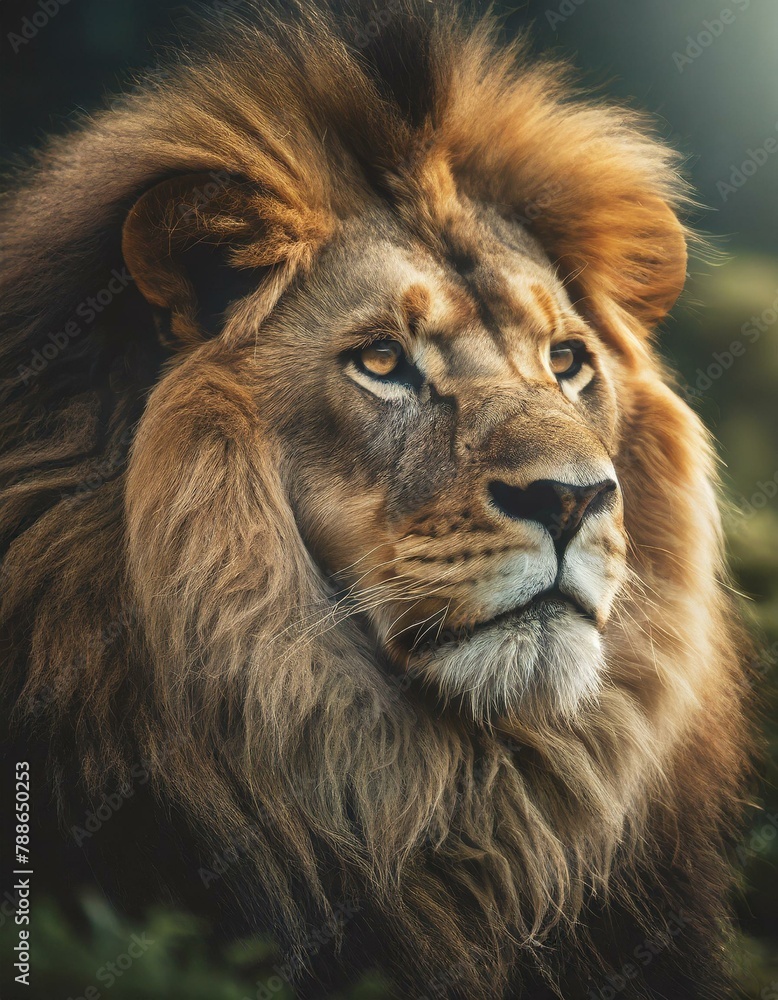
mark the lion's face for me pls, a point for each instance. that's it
(452, 422)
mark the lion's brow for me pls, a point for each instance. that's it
(487, 294)
(532, 308)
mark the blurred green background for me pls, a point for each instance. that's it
(708, 70)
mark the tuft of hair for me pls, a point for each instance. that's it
(162, 634)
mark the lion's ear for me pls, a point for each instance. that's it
(633, 255)
(198, 242)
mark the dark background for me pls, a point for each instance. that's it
(707, 70)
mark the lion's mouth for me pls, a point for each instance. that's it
(542, 608)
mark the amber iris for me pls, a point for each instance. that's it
(566, 358)
(381, 357)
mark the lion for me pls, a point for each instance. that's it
(355, 535)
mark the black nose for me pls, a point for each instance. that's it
(559, 507)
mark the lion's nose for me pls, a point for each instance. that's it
(559, 507)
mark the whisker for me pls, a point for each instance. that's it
(418, 625)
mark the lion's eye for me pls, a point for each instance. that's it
(381, 358)
(567, 358)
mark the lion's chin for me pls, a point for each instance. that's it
(545, 658)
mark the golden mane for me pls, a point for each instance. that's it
(136, 631)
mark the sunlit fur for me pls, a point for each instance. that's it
(171, 607)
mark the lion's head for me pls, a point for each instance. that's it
(447, 424)
(414, 554)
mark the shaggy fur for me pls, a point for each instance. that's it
(172, 607)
